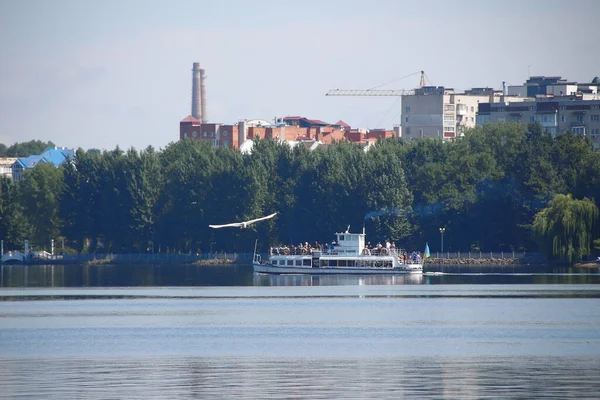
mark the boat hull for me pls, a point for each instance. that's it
(282, 270)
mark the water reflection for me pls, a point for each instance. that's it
(124, 275)
(336, 280)
(141, 275)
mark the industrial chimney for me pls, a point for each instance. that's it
(196, 95)
(204, 118)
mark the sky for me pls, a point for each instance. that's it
(102, 74)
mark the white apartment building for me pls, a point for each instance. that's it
(439, 112)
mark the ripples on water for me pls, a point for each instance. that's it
(434, 337)
(340, 378)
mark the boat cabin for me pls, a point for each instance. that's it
(349, 243)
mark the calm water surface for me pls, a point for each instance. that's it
(128, 332)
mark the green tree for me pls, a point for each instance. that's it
(39, 198)
(27, 148)
(14, 226)
(564, 228)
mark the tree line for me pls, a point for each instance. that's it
(501, 187)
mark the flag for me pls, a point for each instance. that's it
(426, 253)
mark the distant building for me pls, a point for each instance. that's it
(439, 112)
(54, 155)
(554, 86)
(557, 105)
(6, 166)
(293, 129)
(579, 116)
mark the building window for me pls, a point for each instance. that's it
(194, 134)
(184, 135)
(448, 117)
(204, 134)
(406, 119)
(580, 118)
(449, 108)
(595, 132)
(596, 117)
(448, 129)
(562, 118)
(532, 119)
(579, 130)
(408, 131)
(472, 109)
(225, 143)
(407, 109)
(225, 133)
(516, 118)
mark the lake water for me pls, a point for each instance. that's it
(175, 332)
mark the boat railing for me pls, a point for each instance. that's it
(303, 251)
(290, 251)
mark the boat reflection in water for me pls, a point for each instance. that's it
(335, 280)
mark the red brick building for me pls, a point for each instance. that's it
(220, 135)
(292, 129)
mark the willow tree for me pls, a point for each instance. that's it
(564, 228)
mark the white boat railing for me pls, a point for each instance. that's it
(306, 251)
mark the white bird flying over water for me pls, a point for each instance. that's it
(243, 224)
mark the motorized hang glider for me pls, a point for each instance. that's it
(243, 224)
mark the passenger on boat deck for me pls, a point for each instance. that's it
(388, 245)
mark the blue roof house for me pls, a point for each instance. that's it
(54, 155)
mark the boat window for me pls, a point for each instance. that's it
(341, 237)
(281, 262)
(306, 262)
(290, 262)
(343, 263)
(298, 262)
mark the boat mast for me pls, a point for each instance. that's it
(254, 256)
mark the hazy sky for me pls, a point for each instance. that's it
(97, 74)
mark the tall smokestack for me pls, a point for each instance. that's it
(196, 91)
(204, 118)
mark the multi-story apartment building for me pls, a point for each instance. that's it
(558, 106)
(579, 116)
(439, 112)
(554, 86)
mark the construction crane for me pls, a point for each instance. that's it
(378, 92)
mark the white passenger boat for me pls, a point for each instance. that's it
(347, 255)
